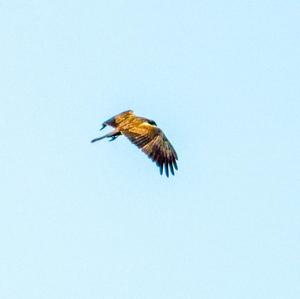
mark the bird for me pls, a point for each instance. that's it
(145, 134)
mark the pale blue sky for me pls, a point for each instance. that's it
(82, 220)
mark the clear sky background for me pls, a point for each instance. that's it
(82, 220)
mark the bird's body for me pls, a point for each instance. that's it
(146, 135)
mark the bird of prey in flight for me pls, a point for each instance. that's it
(146, 135)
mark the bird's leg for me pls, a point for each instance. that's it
(115, 134)
(113, 137)
(103, 126)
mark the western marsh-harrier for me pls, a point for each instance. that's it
(146, 135)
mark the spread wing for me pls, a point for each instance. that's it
(153, 142)
(120, 119)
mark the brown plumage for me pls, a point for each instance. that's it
(146, 135)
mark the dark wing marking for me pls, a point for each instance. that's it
(153, 142)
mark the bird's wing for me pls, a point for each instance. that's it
(123, 117)
(154, 143)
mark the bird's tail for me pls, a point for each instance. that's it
(113, 135)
